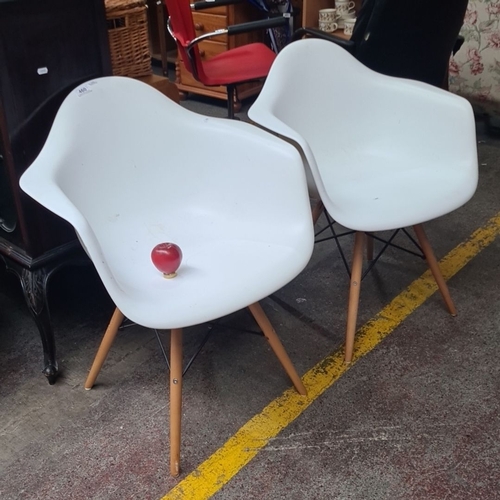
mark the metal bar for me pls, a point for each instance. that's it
(374, 261)
(126, 323)
(414, 241)
(397, 246)
(162, 348)
(330, 223)
(200, 347)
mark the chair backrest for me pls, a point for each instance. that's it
(181, 24)
(409, 38)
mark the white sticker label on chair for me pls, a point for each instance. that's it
(84, 89)
(42, 71)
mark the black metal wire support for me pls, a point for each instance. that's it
(384, 248)
(211, 329)
(194, 356)
(126, 323)
(415, 242)
(378, 238)
(162, 348)
(335, 236)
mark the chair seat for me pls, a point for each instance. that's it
(376, 194)
(245, 63)
(208, 283)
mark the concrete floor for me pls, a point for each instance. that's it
(417, 418)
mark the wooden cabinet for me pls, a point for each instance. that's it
(209, 20)
(47, 48)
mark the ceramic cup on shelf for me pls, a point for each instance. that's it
(349, 25)
(348, 15)
(344, 6)
(327, 20)
(328, 26)
(327, 15)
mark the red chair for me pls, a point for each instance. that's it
(243, 64)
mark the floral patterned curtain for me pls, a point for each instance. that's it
(475, 68)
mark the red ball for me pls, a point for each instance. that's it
(167, 258)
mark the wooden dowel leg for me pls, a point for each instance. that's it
(434, 267)
(352, 308)
(317, 211)
(369, 247)
(102, 352)
(175, 400)
(277, 346)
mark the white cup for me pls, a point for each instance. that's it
(349, 25)
(328, 26)
(348, 15)
(328, 15)
(344, 6)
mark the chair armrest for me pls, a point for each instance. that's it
(348, 45)
(233, 30)
(274, 22)
(238, 28)
(209, 4)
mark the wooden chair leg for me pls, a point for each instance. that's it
(434, 267)
(369, 247)
(277, 346)
(352, 308)
(317, 211)
(102, 352)
(175, 400)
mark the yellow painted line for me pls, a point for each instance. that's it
(243, 446)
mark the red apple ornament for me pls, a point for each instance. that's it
(167, 258)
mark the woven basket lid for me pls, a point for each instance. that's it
(115, 5)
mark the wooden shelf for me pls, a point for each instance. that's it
(340, 34)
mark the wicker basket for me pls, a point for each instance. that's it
(128, 37)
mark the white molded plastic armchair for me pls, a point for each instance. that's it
(384, 152)
(129, 169)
